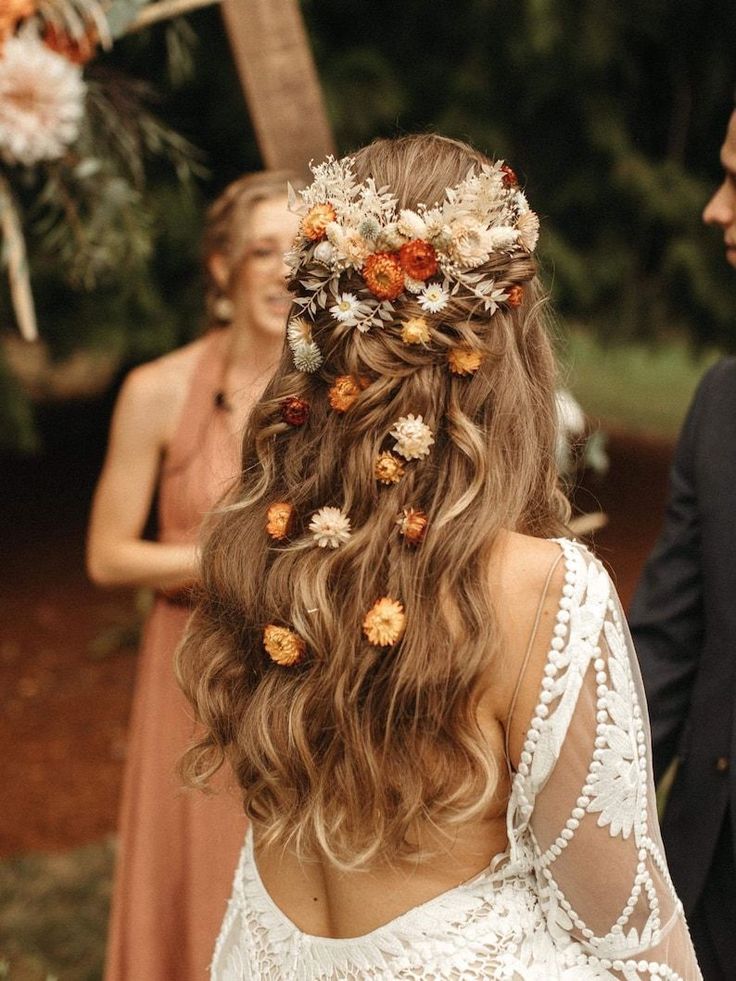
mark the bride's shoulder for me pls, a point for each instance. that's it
(521, 564)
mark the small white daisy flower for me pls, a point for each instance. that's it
(299, 331)
(348, 309)
(413, 437)
(330, 527)
(433, 298)
(307, 356)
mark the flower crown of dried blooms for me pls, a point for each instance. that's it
(433, 253)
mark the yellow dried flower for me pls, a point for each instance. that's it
(412, 524)
(385, 622)
(389, 469)
(283, 646)
(279, 520)
(344, 393)
(314, 224)
(415, 331)
(464, 360)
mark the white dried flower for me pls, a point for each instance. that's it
(503, 237)
(413, 285)
(349, 309)
(330, 527)
(412, 225)
(369, 228)
(41, 101)
(528, 229)
(349, 245)
(390, 238)
(433, 298)
(413, 437)
(299, 331)
(307, 356)
(324, 253)
(471, 243)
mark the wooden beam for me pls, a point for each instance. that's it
(274, 61)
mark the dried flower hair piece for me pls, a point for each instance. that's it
(384, 624)
(294, 410)
(279, 519)
(464, 360)
(351, 227)
(344, 393)
(330, 527)
(412, 524)
(413, 437)
(283, 646)
(415, 330)
(388, 469)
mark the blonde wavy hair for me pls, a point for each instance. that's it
(352, 752)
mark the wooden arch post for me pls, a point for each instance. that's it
(274, 61)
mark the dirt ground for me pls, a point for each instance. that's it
(67, 661)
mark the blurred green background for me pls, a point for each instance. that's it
(611, 113)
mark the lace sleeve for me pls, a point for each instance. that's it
(583, 803)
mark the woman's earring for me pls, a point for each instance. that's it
(223, 309)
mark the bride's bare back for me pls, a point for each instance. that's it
(525, 580)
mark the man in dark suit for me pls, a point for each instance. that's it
(683, 620)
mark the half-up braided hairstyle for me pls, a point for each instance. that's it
(350, 745)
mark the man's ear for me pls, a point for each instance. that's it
(219, 269)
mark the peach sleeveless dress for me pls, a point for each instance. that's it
(178, 847)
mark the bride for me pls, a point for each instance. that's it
(429, 696)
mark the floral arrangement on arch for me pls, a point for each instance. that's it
(75, 140)
(433, 253)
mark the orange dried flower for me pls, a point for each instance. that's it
(11, 13)
(279, 520)
(515, 297)
(283, 646)
(464, 360)
(294, 410)
(415, 331)
(78, 50)
(412, 524)
(383, 275)
(389, 469)
(344, 393)
(418, 259)
(314, 224)
(385, 622)
(509, 176)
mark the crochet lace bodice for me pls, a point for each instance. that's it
(582, 891)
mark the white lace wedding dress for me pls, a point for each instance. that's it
(582, 891)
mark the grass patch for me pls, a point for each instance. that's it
(633, 386)
(53, 914)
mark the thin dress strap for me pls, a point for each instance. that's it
(527, 655)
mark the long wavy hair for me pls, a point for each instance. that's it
(352, 752)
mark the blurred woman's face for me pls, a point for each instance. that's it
(258, 288)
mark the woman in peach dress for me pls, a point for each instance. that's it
(176, 436)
